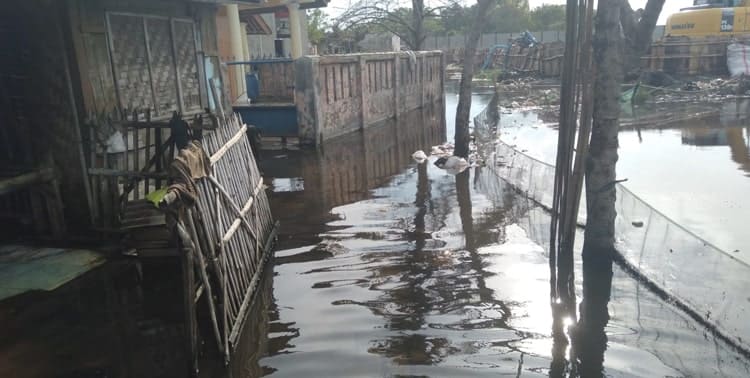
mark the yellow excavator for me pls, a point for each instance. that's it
(709, 18)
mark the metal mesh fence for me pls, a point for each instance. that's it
(707, 282)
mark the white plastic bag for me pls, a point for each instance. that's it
(115, 143)
(738, 59)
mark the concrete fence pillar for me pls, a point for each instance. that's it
(307, 90)
(396, 85)
(364, 86)
(422, 77)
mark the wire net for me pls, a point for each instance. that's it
(707, 282)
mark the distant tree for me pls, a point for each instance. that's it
(455, 19)
(316, 26)
(547, 17)
(508, 17)
(389, 15)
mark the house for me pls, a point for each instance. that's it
(71, 72)
(87, 92)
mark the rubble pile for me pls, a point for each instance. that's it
(653, 87)
(693, 90)
(526, 92)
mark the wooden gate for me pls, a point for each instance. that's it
(228, 235)
(222, 242)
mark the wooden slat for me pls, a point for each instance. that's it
(158, 252)
(153, 220)
(107, 172)
(8, 185)
(223, 150)
(241, 216)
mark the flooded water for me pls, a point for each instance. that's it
(384, 268)
(696, 172)
(389, 268)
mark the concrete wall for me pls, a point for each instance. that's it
(380, 43)
(488, 40)
(338, 94)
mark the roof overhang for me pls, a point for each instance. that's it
(239, 2)
(270, 5)
(274, 5)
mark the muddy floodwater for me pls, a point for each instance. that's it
(389, 268)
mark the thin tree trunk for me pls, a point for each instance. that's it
(463, 195)
(601, 162)
(591, 339)
(638, 30)
(482, 10)
(417, 23)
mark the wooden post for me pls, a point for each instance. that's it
(77, 129)
(111, 48)
(178, 83)
(191, 324)
(148, 65)
(198, 253)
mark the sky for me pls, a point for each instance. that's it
(670, 6)
(335, 7)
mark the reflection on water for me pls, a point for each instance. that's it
(737, 139)
(118, 320)
(385, 268)
(694, 171)
(344, 170)
(388, 268)
(478, 102)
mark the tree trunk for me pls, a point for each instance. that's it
(463, 195)
(417, 23)
(638, 30)
(602, 158)
(590, 337)
(467, 74)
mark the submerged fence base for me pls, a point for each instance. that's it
(216, 218)
(706, 282)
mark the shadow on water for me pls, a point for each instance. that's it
(119, 320)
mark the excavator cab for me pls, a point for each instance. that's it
(701, 4)
(709, 18)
